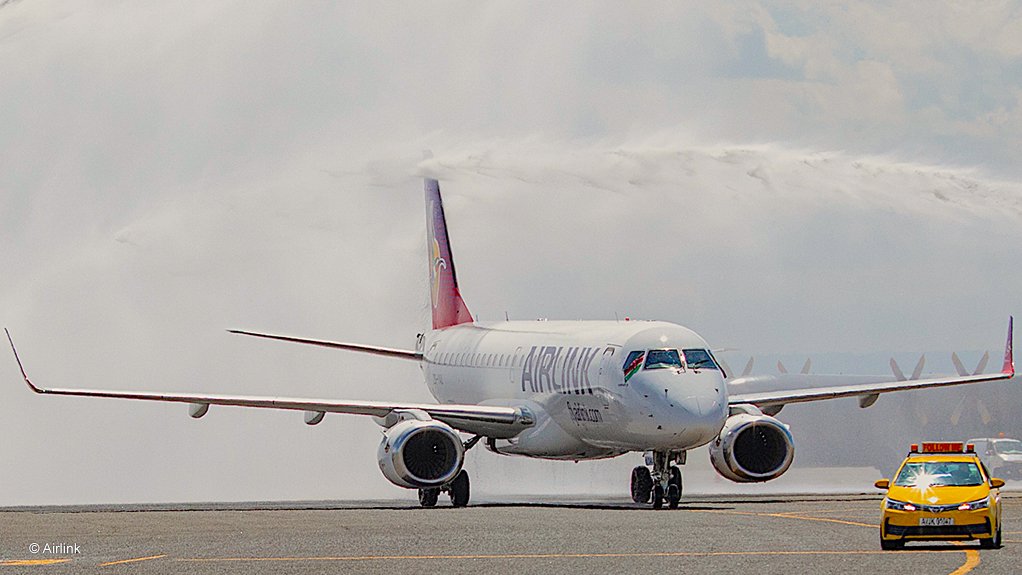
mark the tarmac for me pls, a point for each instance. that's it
(712, 534)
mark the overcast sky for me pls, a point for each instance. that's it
(781, 178)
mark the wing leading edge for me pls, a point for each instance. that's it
(494, 421)
(783, 397)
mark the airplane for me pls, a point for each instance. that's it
(563, 390)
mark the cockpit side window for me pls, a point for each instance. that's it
(632, 363)
(662, 358)
(699, 359)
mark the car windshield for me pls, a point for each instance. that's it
(699, 359)
(661, 358)
(1008, 446)
(926, 474)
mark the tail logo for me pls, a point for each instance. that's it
(436, 261)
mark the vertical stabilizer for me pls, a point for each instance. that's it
(1009, 357)
(448, 307)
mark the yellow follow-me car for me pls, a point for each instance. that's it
(941, 492)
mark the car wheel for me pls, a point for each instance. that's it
(890, 544)
(992, 543)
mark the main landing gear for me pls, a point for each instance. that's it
(458, 489)
(663, 483)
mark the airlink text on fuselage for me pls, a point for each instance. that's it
(557, 369)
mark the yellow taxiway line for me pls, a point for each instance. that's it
(340, 558)
(971, 555)
(135, 560)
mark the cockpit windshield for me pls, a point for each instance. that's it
(633, 363)
(699, 359)
(662, 358)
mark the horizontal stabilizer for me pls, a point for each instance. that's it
(375, 350)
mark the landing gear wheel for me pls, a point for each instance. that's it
(658, 496)
(673, 496)
(674, 488)
(428, 496)
(459, 489)
(642, 484)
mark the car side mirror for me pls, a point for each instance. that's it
(886, 484)
(996, 483)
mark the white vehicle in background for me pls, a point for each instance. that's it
(1003, 456)
(564, 390)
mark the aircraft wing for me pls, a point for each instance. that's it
(866, 391)
(492, 421)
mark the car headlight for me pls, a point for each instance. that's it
(974, 505)
(898, 505)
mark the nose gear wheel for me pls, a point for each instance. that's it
(642, 484)
(661, 484)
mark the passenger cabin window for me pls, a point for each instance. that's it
(699, 359)
(662, 358)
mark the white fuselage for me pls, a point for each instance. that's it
(570, 376)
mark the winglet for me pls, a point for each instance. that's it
(22, 367)
(1009, 359)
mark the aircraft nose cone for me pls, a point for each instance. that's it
(701, 406)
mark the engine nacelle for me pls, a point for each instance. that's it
(752, 448)
(417, 454)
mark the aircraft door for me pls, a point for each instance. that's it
(608, 364)
(512, 371)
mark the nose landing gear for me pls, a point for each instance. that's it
(661, 484)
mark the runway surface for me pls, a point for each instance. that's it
(784, 534)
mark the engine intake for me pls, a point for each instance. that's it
(752, 448)
(418, 454)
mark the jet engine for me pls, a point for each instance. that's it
(417, 454)
(752, 448)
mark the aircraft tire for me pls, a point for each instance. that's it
(658, 496)
(642, 484)
(460, 489)
(673, 496)
(428, 497)
(676, 479)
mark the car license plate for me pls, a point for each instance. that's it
(936, 521)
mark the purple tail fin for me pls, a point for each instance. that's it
(448, 307)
